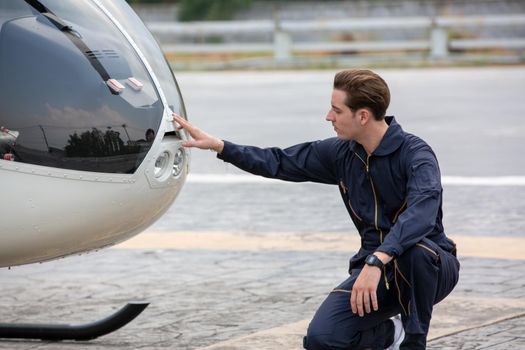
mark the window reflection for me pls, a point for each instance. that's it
(111, 149)
(55, 108)
(150, 48)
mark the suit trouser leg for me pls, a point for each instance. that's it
(424, 275)
(335, 326)
(421, 277)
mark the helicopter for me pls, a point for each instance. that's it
(89, 153)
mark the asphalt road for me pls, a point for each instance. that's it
(472, 117)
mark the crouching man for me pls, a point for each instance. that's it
(390, 183)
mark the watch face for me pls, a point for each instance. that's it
(373, 261)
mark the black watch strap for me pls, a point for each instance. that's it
(373, 260)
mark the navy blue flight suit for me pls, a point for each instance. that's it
(394, 198)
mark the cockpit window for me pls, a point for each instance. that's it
(77, 97)
(149, 47)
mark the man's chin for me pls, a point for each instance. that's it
(343, 137)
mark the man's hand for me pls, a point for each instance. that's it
(364, 290)
(200, 139)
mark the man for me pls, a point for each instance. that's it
(390, 183)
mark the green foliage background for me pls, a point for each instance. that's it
(203, 10)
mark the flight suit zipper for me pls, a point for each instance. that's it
(367, 168)
(344, 189)
(399, 211)
(375, 199)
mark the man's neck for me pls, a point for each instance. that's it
(375, 133)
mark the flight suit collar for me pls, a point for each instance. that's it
(390, 142)
(392, 139)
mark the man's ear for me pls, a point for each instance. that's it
(364, 116)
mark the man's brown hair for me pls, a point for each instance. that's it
(364, 89)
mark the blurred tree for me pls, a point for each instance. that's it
(202, 10)
(195, 10)
(150, 1)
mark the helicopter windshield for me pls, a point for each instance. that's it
(73, 92)
(149, 48)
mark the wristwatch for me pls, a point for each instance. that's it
(373, 260)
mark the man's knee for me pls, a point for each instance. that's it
(321, 337)
(317, 342)
(337, 338)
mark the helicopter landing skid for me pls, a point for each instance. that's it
(86, 331)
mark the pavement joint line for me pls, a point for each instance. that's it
(486, 324)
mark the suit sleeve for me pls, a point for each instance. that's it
(423, 202)
(310, 161)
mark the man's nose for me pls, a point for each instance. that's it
(329, 116)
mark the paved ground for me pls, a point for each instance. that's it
(233, 266)
(508, 334)
(249, 296)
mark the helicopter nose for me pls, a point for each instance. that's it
(169, 164)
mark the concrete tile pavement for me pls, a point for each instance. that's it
(501, 335)
(251, 297)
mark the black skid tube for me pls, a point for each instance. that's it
(78, 332)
